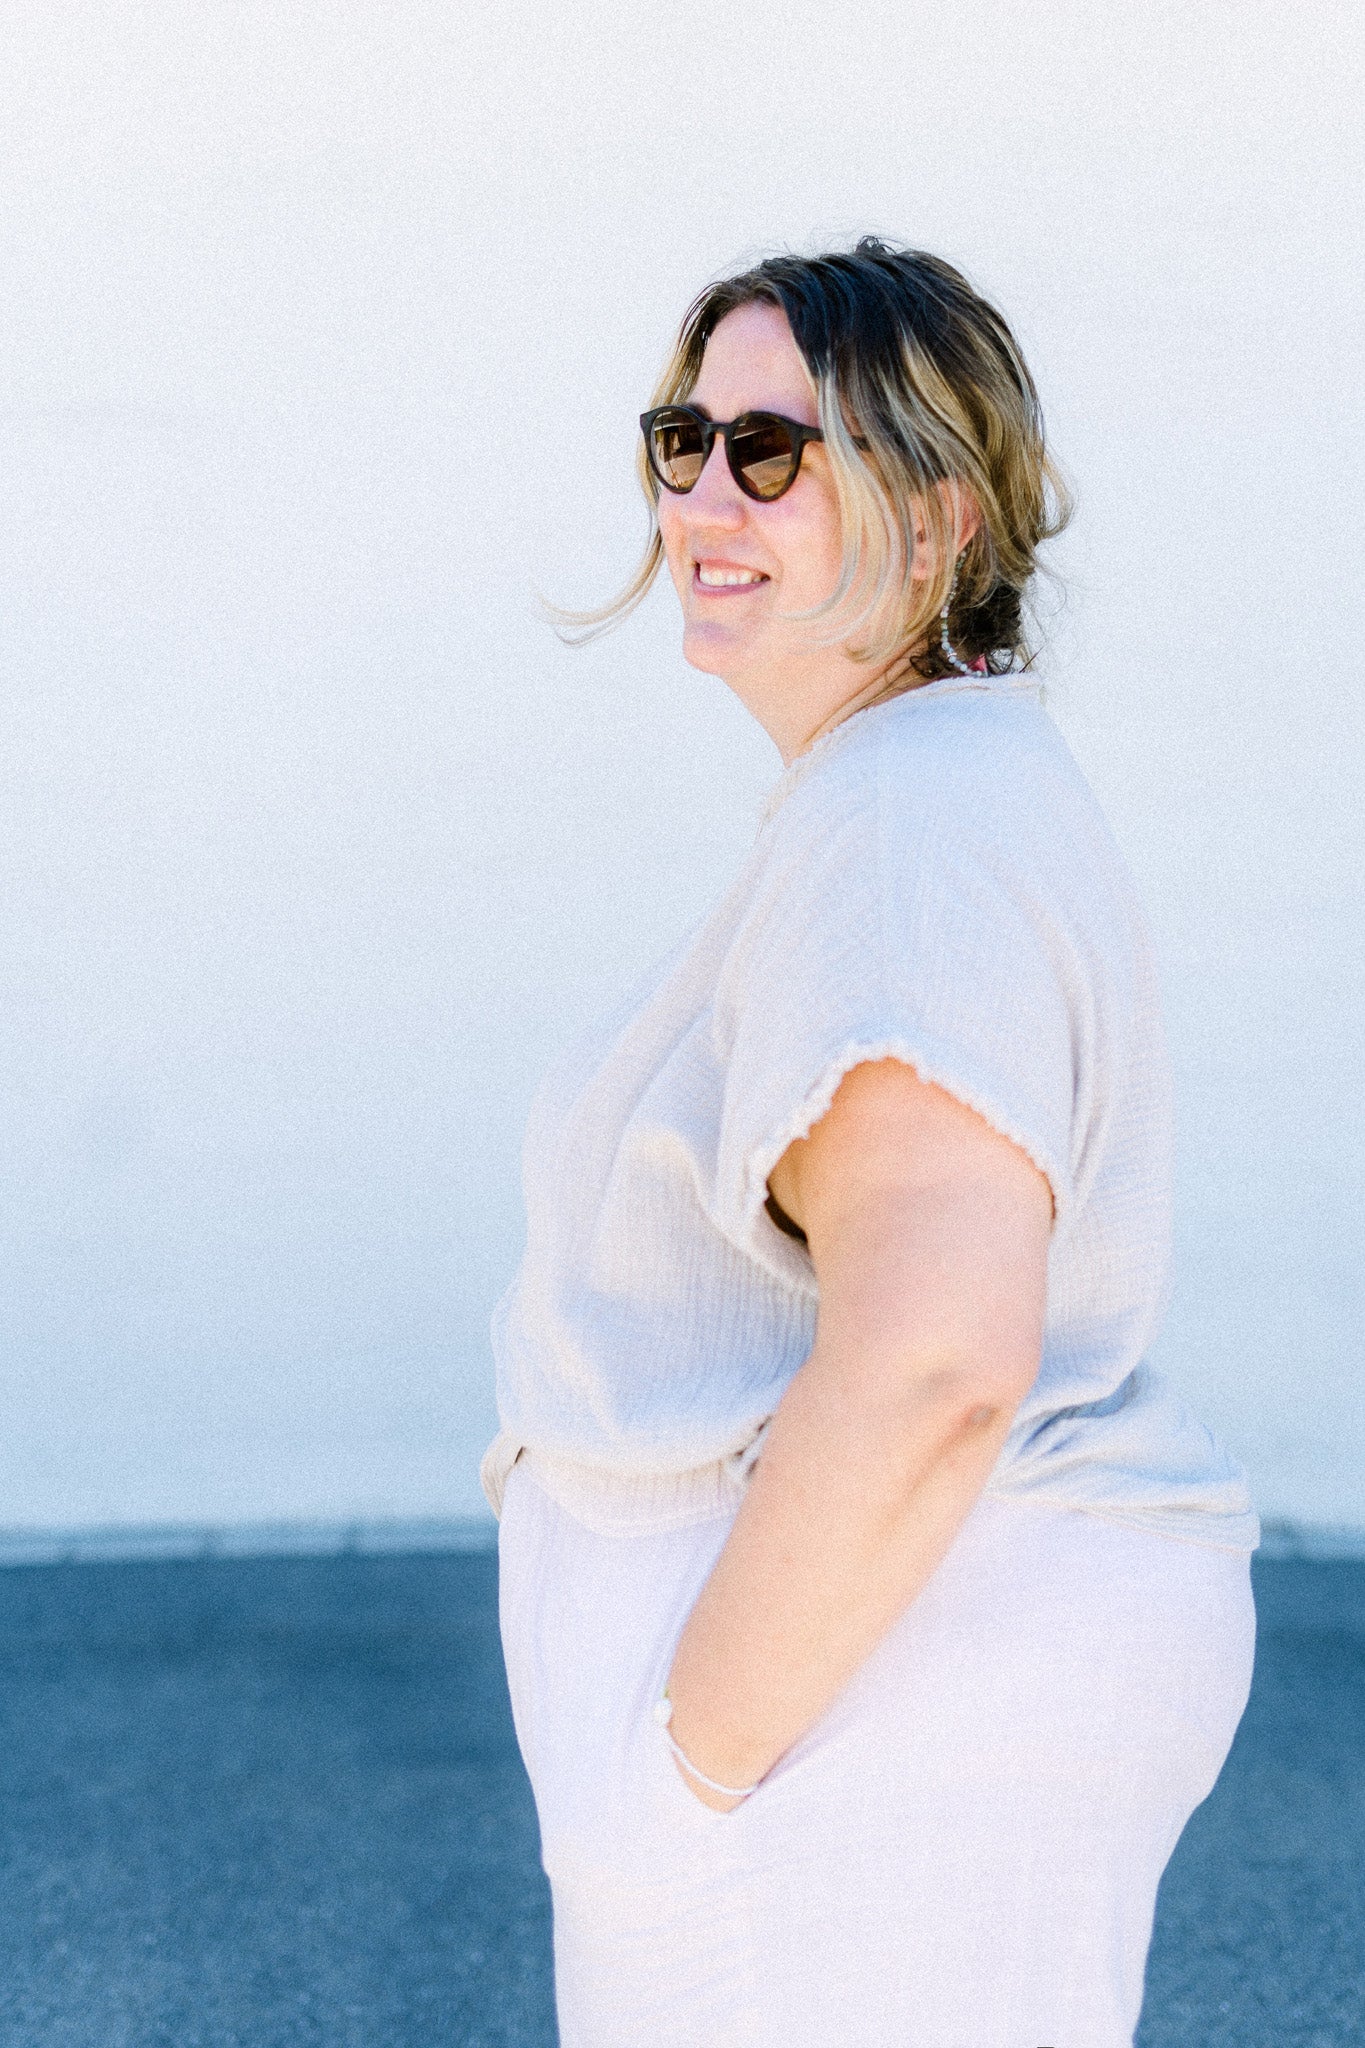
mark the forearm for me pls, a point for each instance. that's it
(853, 1504)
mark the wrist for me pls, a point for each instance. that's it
(722, 1792)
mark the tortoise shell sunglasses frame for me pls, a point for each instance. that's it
(763, 449)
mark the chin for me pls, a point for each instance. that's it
(711, 649)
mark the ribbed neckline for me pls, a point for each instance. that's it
(859, 722)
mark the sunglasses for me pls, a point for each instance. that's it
(763, 449)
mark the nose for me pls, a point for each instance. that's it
(715, 499)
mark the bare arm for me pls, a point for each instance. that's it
(929, 1232)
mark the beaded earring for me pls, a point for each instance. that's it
(950, 653)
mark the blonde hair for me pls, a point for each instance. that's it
(924, 398)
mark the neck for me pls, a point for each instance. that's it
(795, 712)
(896, 680)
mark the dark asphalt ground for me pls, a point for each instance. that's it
(272, 1803)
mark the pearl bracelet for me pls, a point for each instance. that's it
(663, 1714)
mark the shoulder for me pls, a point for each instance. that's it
(947, 821)
(952, 770)
(977, 751)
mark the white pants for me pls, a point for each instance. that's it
(962, 1853)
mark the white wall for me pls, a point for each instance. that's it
(325, 328)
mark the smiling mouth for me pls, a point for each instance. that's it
(715, 579)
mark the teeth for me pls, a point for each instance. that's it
(723, 577)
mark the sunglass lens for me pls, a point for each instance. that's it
(764, 454)
(677, 450)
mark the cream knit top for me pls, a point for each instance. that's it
(934, 881)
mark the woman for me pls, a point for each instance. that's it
(874, 1618)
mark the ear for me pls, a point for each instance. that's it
(966, 516)
(961, 520)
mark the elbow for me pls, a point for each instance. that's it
(973, 1403)
(1005, 1378)
(941, 1384)
(968, 1393)
(1000, 1379)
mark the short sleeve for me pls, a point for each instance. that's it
(883, 927)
